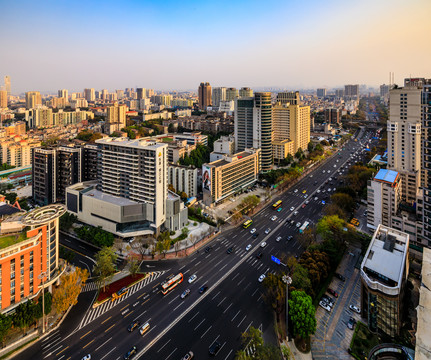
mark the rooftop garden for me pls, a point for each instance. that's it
(8, 240)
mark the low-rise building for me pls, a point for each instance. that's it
(184, 179)
(384, 272)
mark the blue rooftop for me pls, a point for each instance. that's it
(386, 175)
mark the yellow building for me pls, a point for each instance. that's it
(280, 149)
(3, 99)
(32, 99)
(225, 177)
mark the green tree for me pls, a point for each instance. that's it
(24, 315)
(104, 268)
(48, 305)
(302, 314)
(67, 220)
(331, 227)
(300, 279)
(275, 293)
(133, 265)
(5, 326)
(163, 246)
(253, 344)
(344, 201)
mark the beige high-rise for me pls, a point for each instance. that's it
(32, 99)
(3, 99)
(116, 114)
(404, 138)
(204, 95)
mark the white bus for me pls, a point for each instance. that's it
(304, 226)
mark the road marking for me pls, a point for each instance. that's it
(163, 346)
(197, 263)
(141, 295)
(104, 321)
(145, 301)
(83, 336)
(172, 300)
(88, 343)
(194, 316)
(236, 315)
(107, 353)
(171, 354)
(61, 350)
(230, 352)
(156, 285)
(221, 301)
(131, 312)
(103, 344)
(248, 326)
(227, 308)
(124, 307)
(178, 306)
(215, 296)
(199, 324)
(206, 331)
(109, 328)
(241, 321)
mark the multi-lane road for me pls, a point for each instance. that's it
(234, 299)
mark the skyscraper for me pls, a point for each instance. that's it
(63, 93)
(231, 94)
(262, 128)
(3, 99)
(141, 93)
(245, 92)
(104, 94)
(218, 95)
(32, 99)
(204, 95)
(89, 94)
(7, 84)
(351, 91)
(243, 123)
(321, 93)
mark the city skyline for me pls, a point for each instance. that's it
(310, 45)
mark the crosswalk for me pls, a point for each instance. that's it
(93, 314)
(51, 344)
(90, 286)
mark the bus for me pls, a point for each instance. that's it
(247, 224)
(277, 204)
(171, 283)
(304, 226)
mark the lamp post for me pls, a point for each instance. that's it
(42, 277)
(287, 280)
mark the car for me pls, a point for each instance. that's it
(278, 238)
(133, 325)
(263, 244)
(304, 191)
(330, 179)
(355, 308)
(318, 191)
(303, 206)
(295, 191)
(329, 190)
(185, 293)
(290, 237)
(328, 171)
(128, 355)
(325, 306)
(307, 201)
(335, 165)
(230, 250)
(295, 213)
(214, 348)
(252, 231)
(330, 301)
(248, 247)
(188, 356)
(332, 292)
(86, 357)
(203, 288)
(262, 277)
(339, 276)
(292, 209)
(279, 209)
(255, 235)
(351, 323)
(144, 328)
(273, 218)
(192, 278)
(311, 176)
(305, 196)
(267, 231)
(259, 255)
(316, 198)
(323, 171)
(298, 224)
(208, 249)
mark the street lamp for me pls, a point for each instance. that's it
(287, 280)
(42, 277)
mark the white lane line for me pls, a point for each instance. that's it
(248, 326)
(255, 292)
(241, 321)
(215, 296)
(199, 324)
(206, 331)
(178, 306)
(194, 316)
(107, 353)
(206, 257)
(197, 263)
(236, 315)
(171, 354)
(237, 274)
(223, 267)
(230, 352)
(224, 312)
(164, 345)
(241, 281)
(103, 344)
(221, 301)
(172, 301)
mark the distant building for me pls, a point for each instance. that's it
(351, 92)
(321, 93)
(291, 97)
(184, 179)
(384, 90)
(141, 93)
(3, 99)
(332, 116)
(384, 271)
(40, 117)
(7, 85)
(245, 92)
(63, 94)
(339, 93)
(32, 99)
(218, 95)
(204, 95)
(231, 94)
(192, 138)
(89, 95)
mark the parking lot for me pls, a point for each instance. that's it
(333, 337)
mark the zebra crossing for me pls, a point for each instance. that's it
(51, 343)
(90, 286)
(93, 314)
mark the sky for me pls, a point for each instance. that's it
(174, 45)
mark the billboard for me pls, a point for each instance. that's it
(206, 177)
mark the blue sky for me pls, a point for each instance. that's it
(47, 45)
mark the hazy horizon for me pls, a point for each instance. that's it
(176, 46)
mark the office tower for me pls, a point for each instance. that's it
(204, 95)
(104, 94)
(332, 116)
(32, 99)
(120, 94)
(291, 97)
(63, 94)
(141, 93)
(231, 94)
(136, 170)
(404, 138)
(44, 168)
(321, 93)
(7, 84)
(262, 128)
(351, 91)
(339, 93)
(218, 95)
(89, 94)
(3, 99)
(243, 123)
(245, 92)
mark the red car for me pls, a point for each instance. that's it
(303, 206)
(332, 292)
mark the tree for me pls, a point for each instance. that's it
(5, 326)
(104, 268)
(318, 265)
(344, 201)
(331, 227)
(275, 293)
(307, 237)
(253, 344)
(334, 209)
(67, 293)
(300, 279)
(133, 265)
(142, 244)
(67, 220)
(24, 315)
(163, 246)
(302, 314)
(48, 305)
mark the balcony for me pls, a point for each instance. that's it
(374, 284)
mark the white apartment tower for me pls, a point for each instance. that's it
(218, 95)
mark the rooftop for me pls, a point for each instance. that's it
(234, 158)
(43, 215)
(388, 176)
(126, 142)
(8, 240)
(116, 200)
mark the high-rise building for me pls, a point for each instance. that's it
(204, 95)
(7, 84)
(321, 93)
(351, 91)
(32, 99)
(245, 92)
(404, 138)
(262, 128)
(104, 94)
(116, 114)
(44, 170)
(40, 117)
(63, 93)
(3, 99)
(184, 179)
(231, 94)
(339, 93)
(384, 90)
(332, 116)
(291, 97)
(141, 93)
(218, 95)
(89, 162)
(243, 122)
(120, 94)
(89, 94)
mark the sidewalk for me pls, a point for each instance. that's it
(296, 354)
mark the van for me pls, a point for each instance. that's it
(144, 328)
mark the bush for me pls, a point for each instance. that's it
(96, 236)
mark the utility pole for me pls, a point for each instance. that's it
(42, 277)
(287, 280)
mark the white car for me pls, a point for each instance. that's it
(295, 213)
(292, 209)
(328, 171)
(316, 198)
(274, 218)
(307, 202)
(318, 191)
(278, 238)
(263, 244)
(311, 176)
(323, 171)
(248, 247)
(295, 191)
(262, 277)
(252, 231)
(335, 165)
(355, 308)
(298, 224)
(86, 357)
(267, 231)
(325, 306)
(192, 278)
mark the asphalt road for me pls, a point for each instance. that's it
(233, 302)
